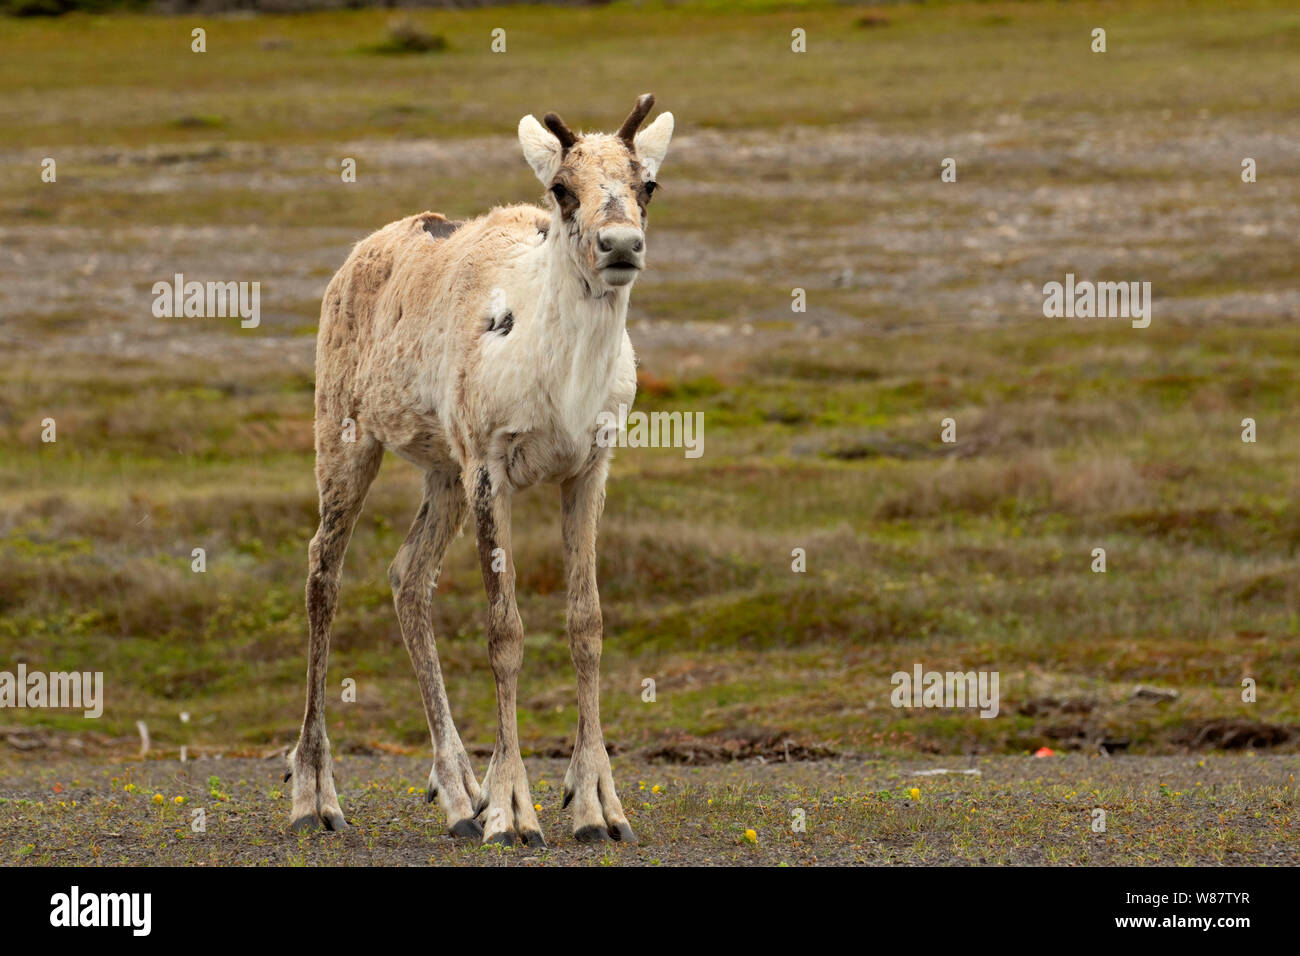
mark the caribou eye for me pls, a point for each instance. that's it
(565, 200)
(650, 187)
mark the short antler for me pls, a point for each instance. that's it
(644, 104)
(562, 132)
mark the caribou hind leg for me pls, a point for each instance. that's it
(344, 472)
(414, 576)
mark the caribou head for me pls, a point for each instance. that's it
(599, 187)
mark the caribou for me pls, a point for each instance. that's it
(485, 352)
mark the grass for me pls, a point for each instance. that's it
(822, 428)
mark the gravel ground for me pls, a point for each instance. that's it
(936, 811)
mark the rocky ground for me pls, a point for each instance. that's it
(933, 811)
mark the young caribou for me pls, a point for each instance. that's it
(483, 352)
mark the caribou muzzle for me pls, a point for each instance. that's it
(621, 254)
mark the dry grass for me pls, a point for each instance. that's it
(822, 428)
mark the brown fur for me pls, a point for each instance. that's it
(634, 120)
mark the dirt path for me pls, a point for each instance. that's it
(1001, 810)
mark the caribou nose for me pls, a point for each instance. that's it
(621, 242)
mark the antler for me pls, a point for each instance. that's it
(644, 104)
(562, 132)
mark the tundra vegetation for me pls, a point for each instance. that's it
(817, 171)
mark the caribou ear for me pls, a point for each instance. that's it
(652, 143)
(542, 150)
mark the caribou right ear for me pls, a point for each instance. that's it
(651, 143)
(541, 148)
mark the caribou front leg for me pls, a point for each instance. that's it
(504, 796)
(589, 782)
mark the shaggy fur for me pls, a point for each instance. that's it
(483, 352)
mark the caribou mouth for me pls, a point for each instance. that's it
(619, 273)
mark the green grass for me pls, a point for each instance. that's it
(1071, 436)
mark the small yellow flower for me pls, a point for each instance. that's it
(915, 793)
(640, 785)
(411, 790)
(537, 807)
(751, 836)
(157, 798)
(710, 801)
(130, 788)
(656, 788)
(178, 800)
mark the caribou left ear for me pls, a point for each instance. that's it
(652, 143)
(541, 148)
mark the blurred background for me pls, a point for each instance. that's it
(817, 170)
